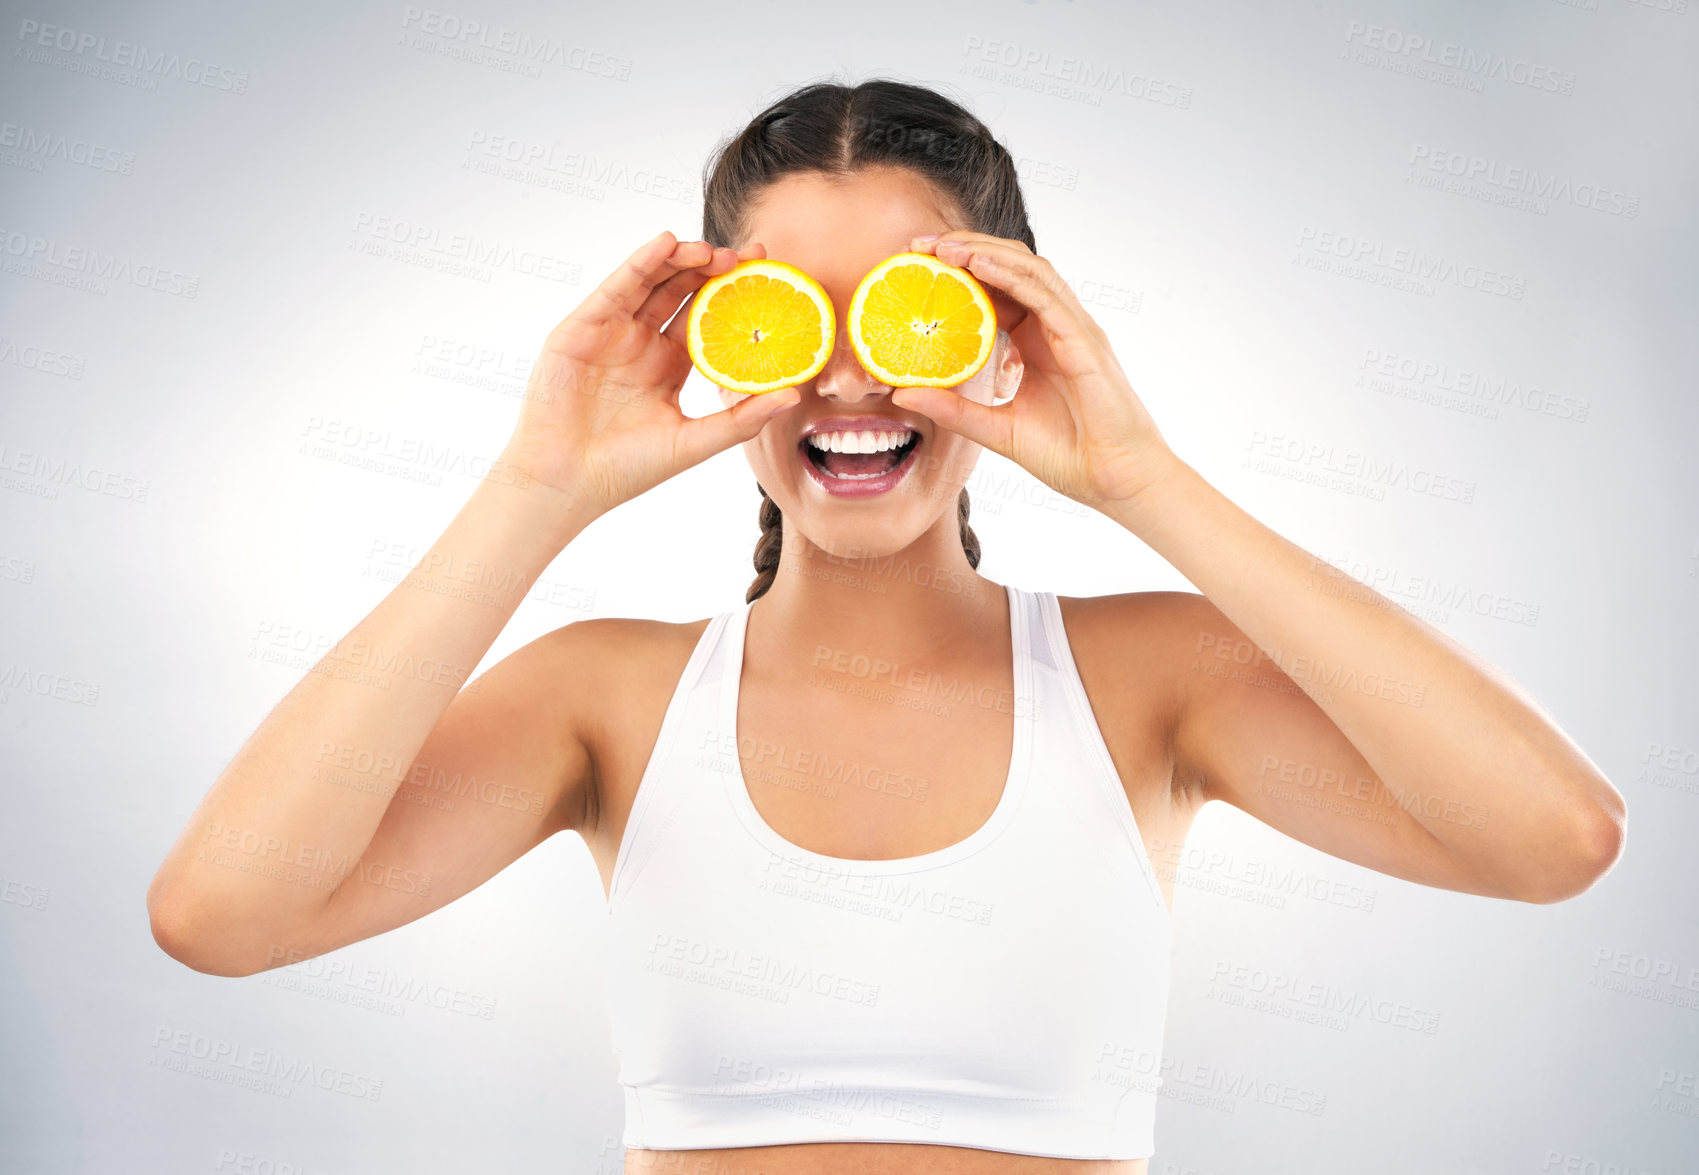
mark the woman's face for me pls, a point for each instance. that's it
(835, 229)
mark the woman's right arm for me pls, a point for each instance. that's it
(378, 789)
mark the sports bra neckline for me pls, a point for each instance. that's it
(1014, 784)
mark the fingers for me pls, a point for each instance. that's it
(703, 436)
(1015, 270)
(1028, 278)
(668, 297)
(921, 245)
(663, 302)
(626, 289)
(990, 427)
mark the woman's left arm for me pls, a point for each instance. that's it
(1398, 728)
(1306, 698)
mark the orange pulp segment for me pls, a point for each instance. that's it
(761, 326)
(916, 321)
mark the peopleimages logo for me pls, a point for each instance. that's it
(1341, 1004)
(513, 50)
(86, 267)
(121, 57)
(1378, 259)
(681, 957)
(1430, 161)
(430, 245)
(232, 1063)
(45, 360)
(1066, 73)
(47, 474)
(1404, 52)
(28, 147)
(572, 171)
(1274, 453)
(1435, 380)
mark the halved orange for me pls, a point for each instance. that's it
(761, 326)
(917, 322)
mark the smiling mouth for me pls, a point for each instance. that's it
(853, 467)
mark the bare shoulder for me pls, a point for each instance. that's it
(626, 638)
(1132, 650)
(1147, 630)
(621, 671)
(1145, 627)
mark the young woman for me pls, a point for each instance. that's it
(878, 844)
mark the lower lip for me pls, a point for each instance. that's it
(861, 487)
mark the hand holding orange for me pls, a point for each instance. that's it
(600, 422)
(1077, 425)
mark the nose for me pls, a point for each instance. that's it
(843, 378)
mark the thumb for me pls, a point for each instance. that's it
(973, 420)
(702, 437)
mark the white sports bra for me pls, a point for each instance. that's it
(1007, 992)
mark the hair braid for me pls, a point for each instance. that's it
(970, 541)
(766, 547)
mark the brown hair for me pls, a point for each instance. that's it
(839, 130)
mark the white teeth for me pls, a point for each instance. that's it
(865, 441)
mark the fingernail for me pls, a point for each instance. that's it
(928, 237)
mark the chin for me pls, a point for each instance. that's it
(866, 537)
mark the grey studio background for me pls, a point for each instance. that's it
(1412, 283)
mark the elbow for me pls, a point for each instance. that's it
(183, 935)
(1597, 845)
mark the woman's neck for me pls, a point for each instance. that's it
(914, 605)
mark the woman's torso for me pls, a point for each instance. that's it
(783, 701)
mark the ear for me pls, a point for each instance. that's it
(1010, 368)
